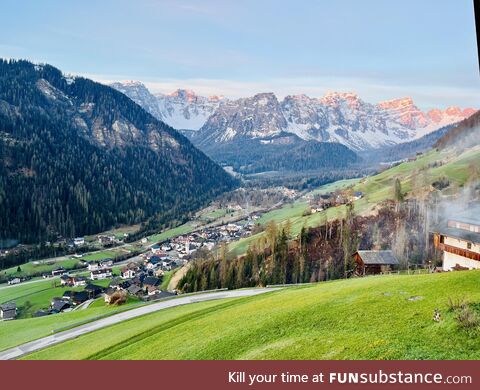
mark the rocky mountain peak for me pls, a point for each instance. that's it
(184, 94)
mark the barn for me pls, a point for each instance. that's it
(374, 262)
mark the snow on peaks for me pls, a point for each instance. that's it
(133, 83)
(396, 104)
(184, 94)
(334, 99)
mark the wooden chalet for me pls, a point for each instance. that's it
(374, 262)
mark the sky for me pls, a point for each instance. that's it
(377, 48)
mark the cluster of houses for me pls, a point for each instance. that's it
(208, 237)
(141, 280)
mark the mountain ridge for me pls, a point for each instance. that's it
(336, 117)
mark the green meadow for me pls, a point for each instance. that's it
(380, 317)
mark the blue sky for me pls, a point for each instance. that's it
(380, 49)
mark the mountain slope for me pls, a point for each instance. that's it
(77, 157)
(464, 135)
(406, 149)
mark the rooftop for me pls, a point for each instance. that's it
(8, 306)
(378, 257)
(461, 234)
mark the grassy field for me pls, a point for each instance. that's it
(105, 254)
(382, 317)
(182, 229)
(332, 187)
(213, 215)
(41, 266)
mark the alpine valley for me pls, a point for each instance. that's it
(261, 133)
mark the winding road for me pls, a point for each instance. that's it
(32, 346)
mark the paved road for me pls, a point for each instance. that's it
(48, 341)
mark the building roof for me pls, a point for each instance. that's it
(8, 306)
(60, 305)
(92, 288)
(461, 234)
(151, 281)
(110, 291)
(134, 289)
(67, 294)
(80, 296)
(378, 257)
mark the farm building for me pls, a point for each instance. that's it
(8, 311)
(460, 241)
(374, 262)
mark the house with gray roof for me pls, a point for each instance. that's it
(8, 311)
(374, 262)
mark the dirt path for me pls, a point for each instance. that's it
(172, 285)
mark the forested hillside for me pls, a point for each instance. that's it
(78, 157)
(281, 153)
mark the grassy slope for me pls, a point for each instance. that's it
(367, 318)
(376, 189)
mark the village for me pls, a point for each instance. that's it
(139, 277)
(139, 274)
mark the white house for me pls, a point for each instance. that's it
(460, 242)
(79, 241)
(101, 273)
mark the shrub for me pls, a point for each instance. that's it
(118, 298)
(467, 318)
(455, 304)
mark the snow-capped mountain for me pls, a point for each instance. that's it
(182, 109)
(336, 117)
(254, 117)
